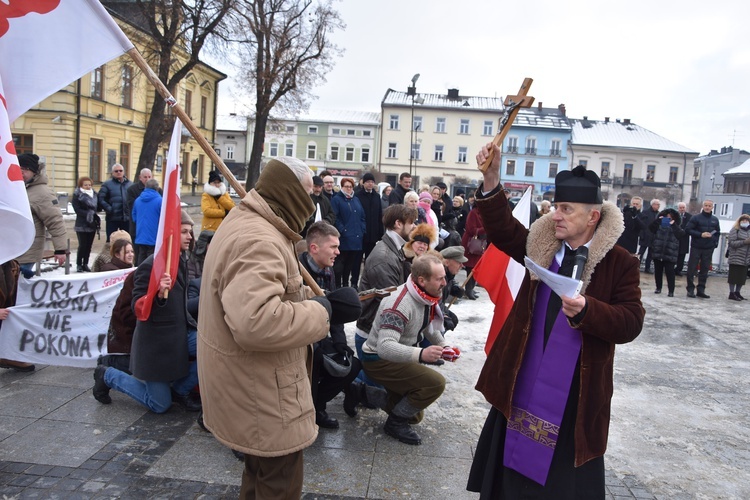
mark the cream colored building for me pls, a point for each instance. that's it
(100, 119)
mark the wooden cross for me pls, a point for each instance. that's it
(512, 103)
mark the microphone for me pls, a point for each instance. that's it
(582, 255)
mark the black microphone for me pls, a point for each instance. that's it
(582, 255)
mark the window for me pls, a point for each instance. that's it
(696, 173)
(288, 149)
(438, 153)
(366, 133)
(364, 155)
(531, 145)
(554, 149)
(416, 151)
(391, 150)
(417, 124)
(463, 128)
(334, 153)
(510, 167)
(673, 175)
(273, 150)
(529, 169)
(512, 145)
(650, 172)
(393, 125)
(127, 86)
(312, 129)
(290, 129)
(189, 103)
(487, 128)
(97, 83)
(725, 210)
(627, 173)
(349, 153)
(585, 163)
(351, 131)
(552, 170)
(312, 151)
(462, 154)
(230, 152)
(125, 155)
(24, 143)
(605, 170)
(440, 125)
(204, 110)
(335, 131)
(95, 159)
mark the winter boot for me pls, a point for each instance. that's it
(354, 394)
(397, 425)
(733, 296)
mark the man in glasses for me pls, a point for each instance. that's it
(112, 197)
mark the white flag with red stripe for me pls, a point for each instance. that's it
(15, 213)
(47, 44)
(167, 249)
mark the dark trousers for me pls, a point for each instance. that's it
(367, 248)
(325, 386)
(272, 478)
(680, 263)
(344, 266)
(114, 225)
(85, 241)
(419, 384)
(144, 252)
(702, 255)
(668, 269)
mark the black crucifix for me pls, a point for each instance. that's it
(512, 105)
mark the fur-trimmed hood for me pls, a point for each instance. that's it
(212, 190)
(541, 245)
(425, 230)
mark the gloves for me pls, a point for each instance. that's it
(451, 353)
(457, 291)
(323, 302)
(345, 305)
(450, 320)
(343, 349)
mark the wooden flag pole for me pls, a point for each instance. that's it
(513, 103)
(463, 287)
(202, 142)
(169, 263)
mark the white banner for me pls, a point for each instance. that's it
(61, 320)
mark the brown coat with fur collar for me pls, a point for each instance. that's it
(614, 315)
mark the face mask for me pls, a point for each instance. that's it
(744, 225)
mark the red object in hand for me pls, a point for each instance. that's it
(451, 353)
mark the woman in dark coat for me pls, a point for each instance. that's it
(350, 221)
(87, 221)
(665, 246)
(122, 256)
(739, 256)
(474, 228)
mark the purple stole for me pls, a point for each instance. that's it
(541, 391)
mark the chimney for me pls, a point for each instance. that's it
(540, 106)
(585, 118)
(723, 150)
(452, 93)
(617, 120)
(561, 107)
(626, 121)
(606, 119)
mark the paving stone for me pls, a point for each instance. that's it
(9, 425)
(45, 482)
(60, 471)
(69, 483)
(39, 470)
(32, 400)
(23, 480)
(92, 486)
(16, 467)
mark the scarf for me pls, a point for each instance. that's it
(88, 203)
(89, 192)
(422, 297)
(280, 188)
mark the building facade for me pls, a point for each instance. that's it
(708, 175)
(100, 120)
(632, 161)
(231, 143)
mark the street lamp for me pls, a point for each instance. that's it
(412, 91)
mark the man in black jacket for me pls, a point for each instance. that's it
(322, 203)
(403, 187)
(370, 200)
(647, 217)
(684, 241)
(633, 225)
(112, 199)
(704, 231)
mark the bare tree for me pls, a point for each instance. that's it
(179, 30)
(290, 53)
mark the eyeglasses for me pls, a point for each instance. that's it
(118, 171)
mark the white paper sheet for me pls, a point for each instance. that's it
(561, 285)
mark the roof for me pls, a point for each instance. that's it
(621, 134)
(551, 118)
(231, 122)
(396, 98)
(743, 168)
(340, 116)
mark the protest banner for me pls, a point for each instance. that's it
(61, 320)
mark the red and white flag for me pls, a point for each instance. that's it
(167, 249)
(15, 213)
(47, 44)
(502, 276)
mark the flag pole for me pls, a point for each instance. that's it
(202, 142)
(169, 263)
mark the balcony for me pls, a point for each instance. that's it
(554, 152)
(530, 151)
(512, 149)
(627, 181)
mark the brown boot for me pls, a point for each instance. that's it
(18, 366)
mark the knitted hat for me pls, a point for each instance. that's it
(213, 176)
(441, 185)
(186, 219)
(317, 180)
(29, 161)
(426, 197)
(120, 235)
(368, 177)
(578, 186)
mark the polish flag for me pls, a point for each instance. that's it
(47, 44)
(502, 289)
(15, 213)
(167, 249)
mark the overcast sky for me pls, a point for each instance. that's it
(678, 68)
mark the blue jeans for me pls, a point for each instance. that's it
(27, 270)
(156, 396)
(362, 377)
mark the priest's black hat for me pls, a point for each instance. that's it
(578, 186)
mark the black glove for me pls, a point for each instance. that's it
(450, 321)
(345, 305)
(323, 302)
(457, 291)
(343, 349)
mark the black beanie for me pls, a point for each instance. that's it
(368, 177)
(29, 161)
(213, 176)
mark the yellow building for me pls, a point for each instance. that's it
(100, 119)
